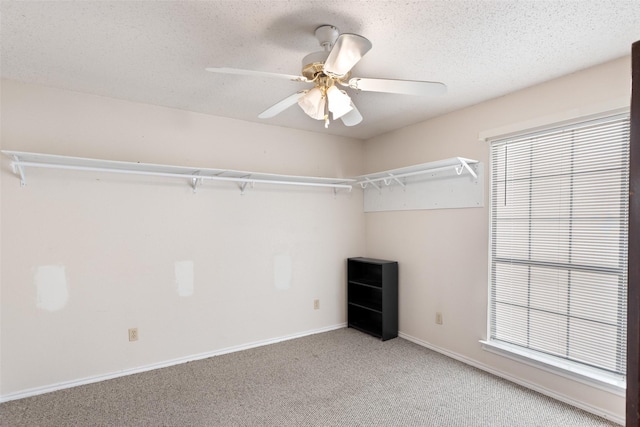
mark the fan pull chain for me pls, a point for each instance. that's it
(326, 109)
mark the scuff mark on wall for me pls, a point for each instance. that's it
(52, 290)
(184, 278)
(282, 272)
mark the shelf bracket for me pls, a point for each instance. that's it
(243, 186)
(195, 182)
(337, 189)
(393, 178)
(464, 165)
(19, 170)
(369, 181)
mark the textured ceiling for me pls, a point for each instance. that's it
(156, 52)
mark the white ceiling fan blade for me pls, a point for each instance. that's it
(407, 87)
(346, 52)
(239, 71)
(352, 118)
(279, 107)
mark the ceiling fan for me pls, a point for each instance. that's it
(329, 70)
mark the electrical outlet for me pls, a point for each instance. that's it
(438, 318)
(133, 334)
(316, 304)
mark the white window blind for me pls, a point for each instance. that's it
(559, 220)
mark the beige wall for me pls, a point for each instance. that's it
(86, 256)
(443, 254)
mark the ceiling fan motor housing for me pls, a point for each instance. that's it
(312, 64)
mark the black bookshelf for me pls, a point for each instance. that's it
(372, 296)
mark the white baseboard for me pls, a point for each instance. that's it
(94, 379)
(536, 387)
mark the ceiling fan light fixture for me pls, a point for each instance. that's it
(313, 103)
(339, 102)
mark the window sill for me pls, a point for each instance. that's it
(594, 377)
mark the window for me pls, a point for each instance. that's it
(559, 220)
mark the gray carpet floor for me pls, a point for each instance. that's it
(337, 378)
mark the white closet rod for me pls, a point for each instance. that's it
(392, 176)
(22, 160)
(19, 164)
